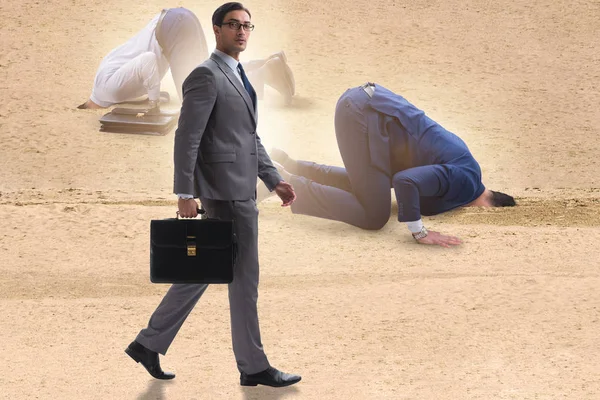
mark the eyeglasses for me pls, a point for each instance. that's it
(236, 25)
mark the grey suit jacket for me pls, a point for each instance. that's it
(218, 154)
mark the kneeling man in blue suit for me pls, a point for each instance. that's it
(386, 142)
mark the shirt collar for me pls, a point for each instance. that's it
(230, 61)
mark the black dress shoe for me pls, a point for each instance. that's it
(149, 360)
(269, 377)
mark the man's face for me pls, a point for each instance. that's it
(230, 39)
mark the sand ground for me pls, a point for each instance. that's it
(513, 313)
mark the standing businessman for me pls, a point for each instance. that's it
(386, 142)
(218, 156)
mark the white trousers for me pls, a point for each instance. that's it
(138, 77)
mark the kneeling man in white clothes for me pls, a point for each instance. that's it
(173, 39)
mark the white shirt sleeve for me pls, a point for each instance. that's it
(415, 226)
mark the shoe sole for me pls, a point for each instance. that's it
(256, 384)
(290, 74)
(282, 55)
(288, 77)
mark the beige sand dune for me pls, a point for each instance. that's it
(513, 313)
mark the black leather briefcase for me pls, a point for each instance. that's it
(192, 250)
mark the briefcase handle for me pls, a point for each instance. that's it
(200, 211)
(203, 215)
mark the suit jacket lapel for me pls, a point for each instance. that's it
(236, 83)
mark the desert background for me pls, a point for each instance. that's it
(513, 313)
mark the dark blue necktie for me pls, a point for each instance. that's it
(247, 85)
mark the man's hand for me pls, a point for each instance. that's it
(188, 208)
(439, 239)
(286, 193)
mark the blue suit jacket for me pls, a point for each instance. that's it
(431, 169)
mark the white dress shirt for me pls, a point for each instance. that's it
(231, 63)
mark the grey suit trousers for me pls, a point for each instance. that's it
(180, 299)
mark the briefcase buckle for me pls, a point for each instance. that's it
(191, 246)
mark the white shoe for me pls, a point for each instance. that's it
(280, 77)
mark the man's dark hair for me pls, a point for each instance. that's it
(500, 199)
(221, 12)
